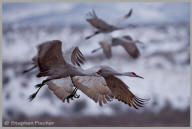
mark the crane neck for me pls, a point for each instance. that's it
(82, 72)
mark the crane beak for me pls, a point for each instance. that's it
(139, 76)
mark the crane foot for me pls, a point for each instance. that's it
(72, 95)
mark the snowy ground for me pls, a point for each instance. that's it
(164, 64)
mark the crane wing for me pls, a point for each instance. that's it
(122, 18)
(97, 22)
(49, 57)
(61, 87)
(128, 45)
(122, 93)
(77, 57)
(94, 87)
(131, 49)
(106, 48)
(74, 56)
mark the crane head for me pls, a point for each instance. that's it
(108, 71)
(132, 74)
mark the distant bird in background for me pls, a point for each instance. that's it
(125, 41)
(51, 63)
(102, 26)
(100, 89)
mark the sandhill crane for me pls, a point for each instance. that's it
(51, 63)
(126, 42)
(102, 89)
(102, 26)
(119, 88)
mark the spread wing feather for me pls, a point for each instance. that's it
(97, 22)
(122, 93)
(74, 56)
(94, 87)
(61, 87)
(49, 57)
(131, 49)
(77, 57)
(122, 18)
(128, 45)
(106, 49)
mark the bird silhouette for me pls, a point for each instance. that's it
(102, 26)
(125, 41)
(103, 89)
(51, 63)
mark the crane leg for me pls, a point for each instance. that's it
(88, 37)
(95, 50)
(31, 97)
(27, 70)
(43, 82)
(72, 94)
(48, 79)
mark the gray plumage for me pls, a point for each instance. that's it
(102, 26)
(126, 42)
(51, 63)
(102, 89)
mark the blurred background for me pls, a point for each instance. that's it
(164, 62)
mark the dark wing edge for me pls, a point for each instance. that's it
(106, 49)
(77, 58)
(129, 13)
(97, 22)
(120, 19)
(131, 49)
(123, 94)
(49, 57)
